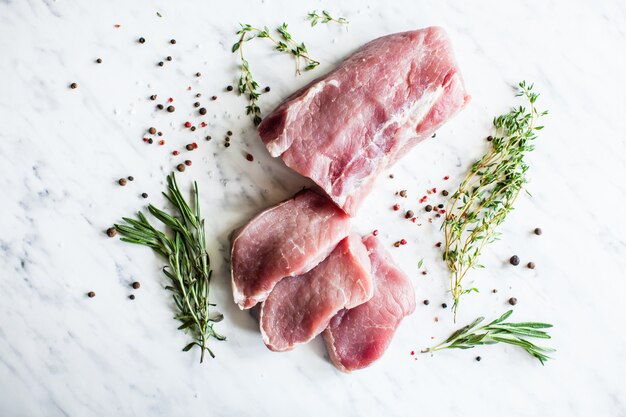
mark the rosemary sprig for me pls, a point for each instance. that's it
(325, 17)
(487, 193)
(189, 265)
(283, 43)
(498, 331)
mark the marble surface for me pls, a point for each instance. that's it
(61, 151)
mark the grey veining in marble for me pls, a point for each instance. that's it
(62, 150)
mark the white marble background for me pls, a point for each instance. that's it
(61, 151)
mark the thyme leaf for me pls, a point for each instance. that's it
(499, 331)
(488, 191)
(325, 17)
(189, 265)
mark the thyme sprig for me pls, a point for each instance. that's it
(499, 331)
(284, 42)
(488, 191)
(325, 17)
(189, 268)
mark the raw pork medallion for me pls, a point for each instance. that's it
(344, 128)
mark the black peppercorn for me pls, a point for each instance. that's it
(426, 302)
(196, 104)
(173, 41)
(489, 138)
(136, 284)
(122, 181)
(161, 63)
(99, 60)
(249, 157)
(198, 74)
(514, 260)
(111, 232)
(229, 88)
(153, 97)
(444, 193)
(478, 358)
(202, 111)
(198, 95)
(190, 147)
(444, 305)
(213, 98)
(132, 296)
(531, 265)
(192, 128)
(150, 141)
(267, 89)
(144, 195)
(512, 301)
(160, 106)
(169, 58)
(181, 167)
(142, 40)
(91, 294)
(73, 86)
(538, 231)
(131, 178)
(409, 214)
(229, 133)
(171, 109)
(227, 144)
(440, 206)
(428, 208)
(207, 138)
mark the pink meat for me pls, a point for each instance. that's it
(286, 240)
(299, 308)
(343, 129)
(357, 337)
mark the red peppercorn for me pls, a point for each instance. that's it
(175, 153)
(403, 241)
(442, 211)
(396, 207)
(145, 139)
(250, 157)
(188, 162)
(203, 124)
(170, 100)
(189, 88)
(434, 190)
(446, 178)
(412, 352)
(161, 142)
(375, 232)
(195, 145)
(187, 124)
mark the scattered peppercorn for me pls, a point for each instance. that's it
(207, 137)
(489, 138)
(396, 244)
(152, 130)
(444, 305)
(440, 206)
(267, 89)
(202, 111)
(136, 285)
(478, 358)
(391, 176)
(190, 147)
(144, 195)
(111, 232)
(198, 74)
(213, 98)
(73, 86)
(424, 272)
(227, 139)
(91, 294)
(531, 265)
(229, 133)
(150, 141)
(438, 244)
(188, 162)
(396, 207)
(428, 208)
(171, 109)
(160, 133)
(227, 144)
(494, 291)
(198, 95)
(402, 193)
(193, 128)
(131, 178)
(444, 193)
(514, 260)
(142, 40)
(375, 232)
(426, 302)
(173, 41)
(196, 104)
(99, 60)
(538, 231)
(229, 88)
(160, 106)
(132, 296)
(249, 157)
(161, 63)
(512, 301)
(409, 214)
(181, 167)
(122, 181)
(169, 58)
(434, 135)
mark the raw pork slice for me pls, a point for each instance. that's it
(299, 308)
(288, 239)
(357, 337)
(344, 128)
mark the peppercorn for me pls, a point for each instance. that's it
(152, 130)
(153, 97)
(132, 296)
(494, 291)
(426, 302)
(160, 106)
(434, 135)
(409, 214)
(229, 133)
(438, 244)
(403, 241)
(159, 133)
(187, 125)
(161, 63)
(428, 208)
(489, 138)
(531, 265)
(229, 88)
(196, 104)
(181, 167)
(99, 60)
(444, 193)
(512, 301)
(396, 244)
(136, 285)
(171, 109)
(193, 128)
(173, 41)
(73, 86)
(111, 232)
(144, 195)
(403, 193)
(391, 176)
(227, 144)
(198, 74)
(478, 358)
(190, 147)
(202, 111)
(207, 137)
(142, 40)
(131, 178)
(440, 206)
(538, 231)
(188, 162)
(249, 157)
(168, 58)
(514, 260)
(444, 305)
(396, 207)
(213, 98)
(267, 89)
(91, 294)
(424, 272)
(150, 141)
(122, 181)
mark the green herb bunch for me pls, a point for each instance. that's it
(189, 268)
(498, 331)
(284, 42)
(487, 193)
(325, 17)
